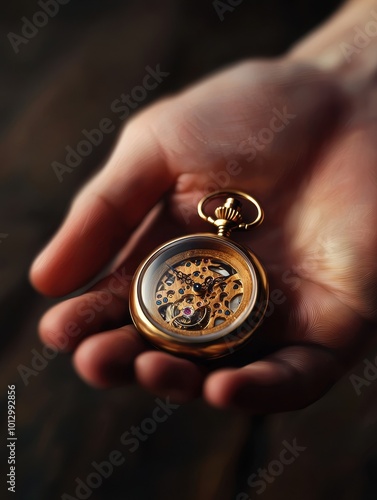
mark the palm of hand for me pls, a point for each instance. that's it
(277, 132)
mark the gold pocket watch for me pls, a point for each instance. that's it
(202, 295)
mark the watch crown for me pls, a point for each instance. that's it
(228, 216)
(229, 211)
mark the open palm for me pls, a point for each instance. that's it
(288, 135)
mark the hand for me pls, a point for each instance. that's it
(299, 140)
(210, 282)
(182, 276)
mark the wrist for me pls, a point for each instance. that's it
(346, 43)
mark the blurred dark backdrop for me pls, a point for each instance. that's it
(61, 81)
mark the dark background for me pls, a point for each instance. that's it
(61, 82)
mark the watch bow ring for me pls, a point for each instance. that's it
(203, 295)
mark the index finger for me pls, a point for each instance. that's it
(105, 213)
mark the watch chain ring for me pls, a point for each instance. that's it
(237, 194)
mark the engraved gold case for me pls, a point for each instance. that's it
(203, 295)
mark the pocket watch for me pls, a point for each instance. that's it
(202, 295)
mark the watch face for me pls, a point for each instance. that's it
(197, 288)
(199, 293)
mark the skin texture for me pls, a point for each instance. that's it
(316, 178)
